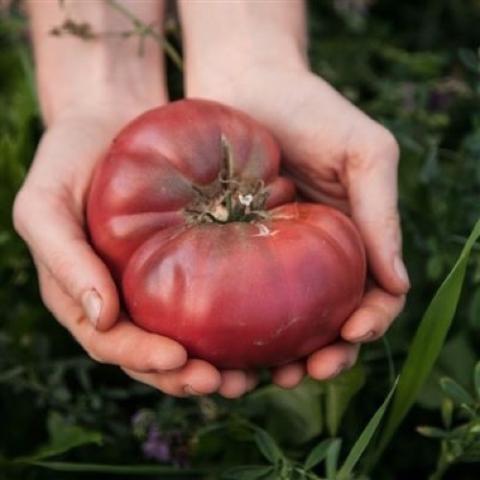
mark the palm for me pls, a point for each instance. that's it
(339, 156)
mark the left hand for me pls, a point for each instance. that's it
(339, 156)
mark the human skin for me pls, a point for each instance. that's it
(252, 55)
(87, 97)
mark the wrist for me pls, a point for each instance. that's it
(228, 66)
(219, 50)
(109, 102)
(103, 71)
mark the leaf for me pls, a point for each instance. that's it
(428, 342)
(456, 392)
(458, 358)
(331, 461)
(14, 372)
(116, 469)
(469, 59)
(365, 438)
(388, 353)
(63, 437)
(318, 454)
(447, 412)
(476, 379)
(432, 432)
(248, 472)
(293, 415)
(267, 446)
(339, 393)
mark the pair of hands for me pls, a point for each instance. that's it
(336, 155)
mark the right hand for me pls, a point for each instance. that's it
(85, 99)
(75, 284)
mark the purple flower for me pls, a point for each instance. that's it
(157, 446)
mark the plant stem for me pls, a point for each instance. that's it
(145, 29)
(439, 472)
(442, 465)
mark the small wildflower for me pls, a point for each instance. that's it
(157, 446)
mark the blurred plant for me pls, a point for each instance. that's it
(354, 12)
(139, 30)
(158, 443)
(415, 68)
(326, 452)
(459, 442)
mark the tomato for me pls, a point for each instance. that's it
(209, 246)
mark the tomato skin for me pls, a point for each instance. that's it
(245, 296)
(240, 294)
(145, 180)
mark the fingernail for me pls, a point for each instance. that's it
(92, 305)
(401, 271)
(363, 338)
(190, 391)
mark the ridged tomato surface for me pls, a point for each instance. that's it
(254, 289)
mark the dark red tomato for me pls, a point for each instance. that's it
(190, 213)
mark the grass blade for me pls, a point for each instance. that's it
(428, 342)
(267, 446)
(476, 379)
(116, 469)
(318, 454)
(456, 392)
(365, 438)
(331, 460)
(339, 392)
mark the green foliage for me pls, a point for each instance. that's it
(429, 340)
(459, 442)
(63, 437)
(415, 67)
(338, 394)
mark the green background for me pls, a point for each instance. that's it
(415, 67)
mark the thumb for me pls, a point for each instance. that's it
(55, 236)
(372, 181)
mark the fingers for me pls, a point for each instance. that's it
(373, 317)
(236, 383)
(371, 178)
(55, 236)
(196, 377)
(289, 376)
(124, 344)
(332, 360)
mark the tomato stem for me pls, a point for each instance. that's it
(229, 198)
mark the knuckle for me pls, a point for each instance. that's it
(383, 147)
(388, 145)
(20, 211)
(46, 290)
(66, 270)
(147, 362)
(94, 354)
(45, 295)
(91, 347)
(392, 220)
(391, 225)
(63, 268)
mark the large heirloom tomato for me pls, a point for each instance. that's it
(208, 245)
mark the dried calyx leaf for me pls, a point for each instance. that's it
(229, 198)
